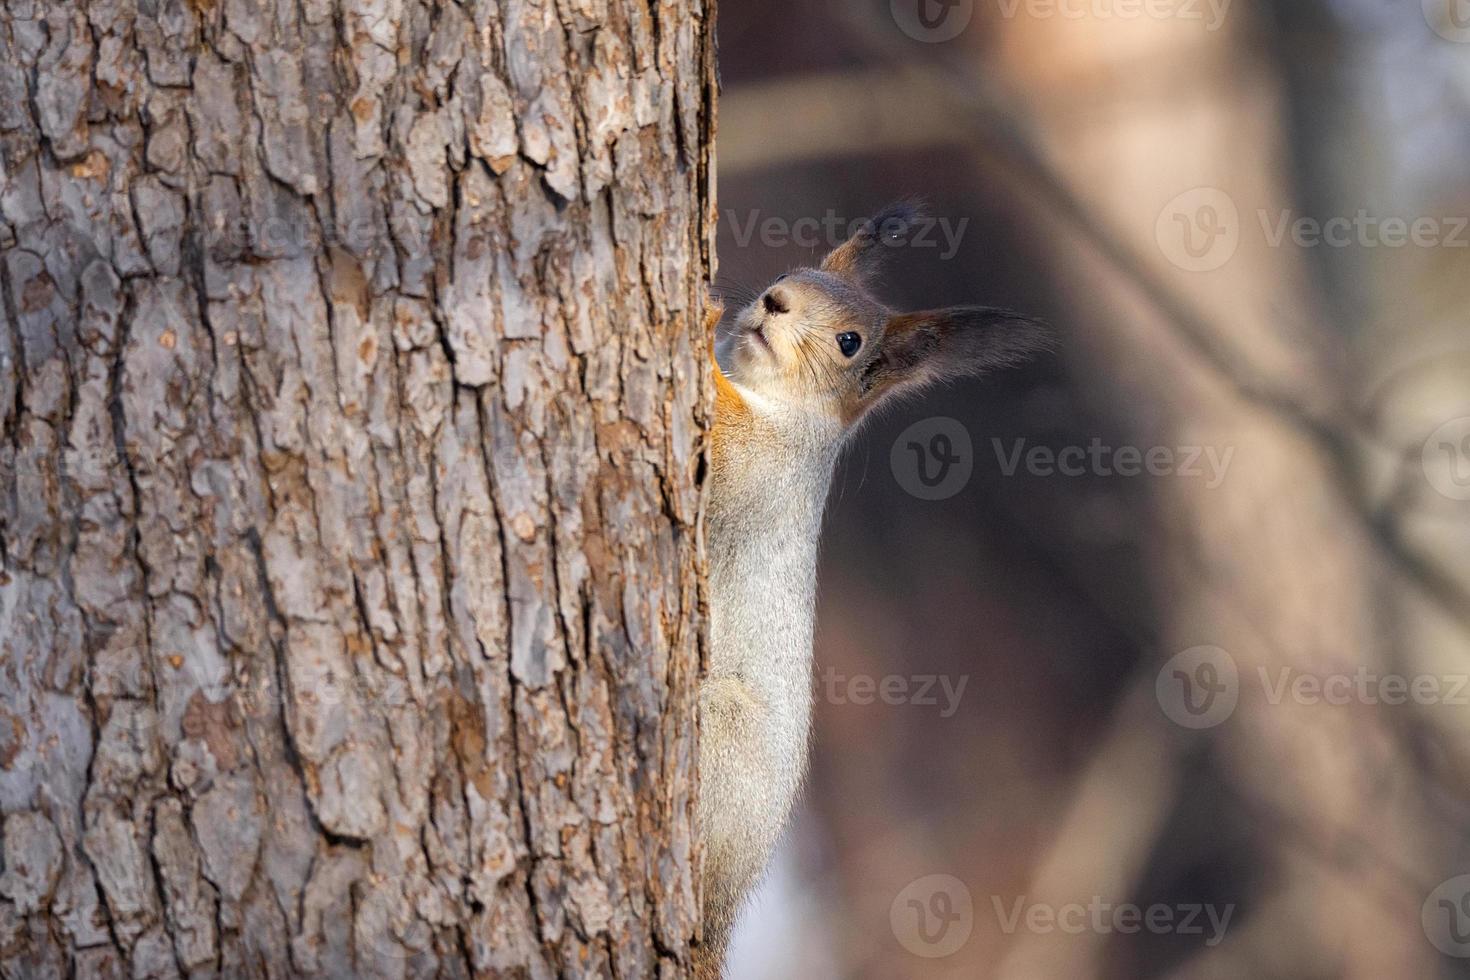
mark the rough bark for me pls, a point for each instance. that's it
(351, 423)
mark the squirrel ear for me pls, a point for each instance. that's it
(919, 349)
(859, 257)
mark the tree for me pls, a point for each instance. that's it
(351, 427)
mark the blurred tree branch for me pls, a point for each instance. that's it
(938, 103)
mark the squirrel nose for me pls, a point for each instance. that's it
(776, 301)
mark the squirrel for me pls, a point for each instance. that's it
(813, 356)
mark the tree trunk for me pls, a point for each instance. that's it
(351, 426)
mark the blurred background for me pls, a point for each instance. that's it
(1151, 659)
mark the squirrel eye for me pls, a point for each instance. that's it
(849, 343)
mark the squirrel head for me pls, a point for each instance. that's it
(818, 342)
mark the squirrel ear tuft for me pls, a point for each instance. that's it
(919, 349)
(860, 256)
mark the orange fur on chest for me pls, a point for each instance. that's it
(734, 419)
